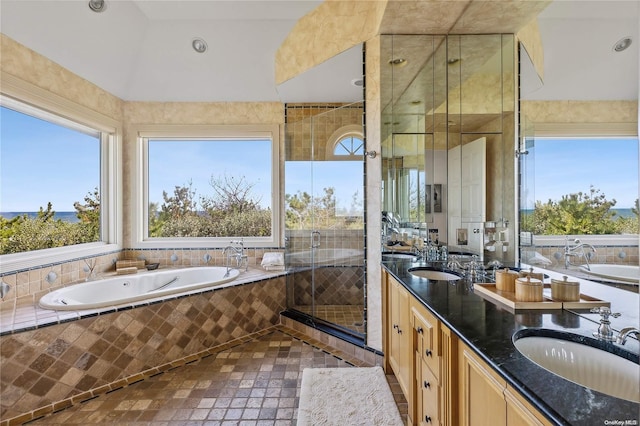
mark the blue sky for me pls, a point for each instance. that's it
(572, 165)
(38, 165)
(175, 163)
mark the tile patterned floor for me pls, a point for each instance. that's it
(254, 383)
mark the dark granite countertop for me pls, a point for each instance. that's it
(488, 327)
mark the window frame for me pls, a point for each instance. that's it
(140, 224)
(577, 130)
(28, 98)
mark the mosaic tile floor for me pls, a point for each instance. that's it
(254, 383)
(348, 316)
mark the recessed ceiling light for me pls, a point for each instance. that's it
(398, 62)
(199, 45)
(97, 6)
(622, 44)
(358, 82)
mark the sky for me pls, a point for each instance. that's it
(176, 163)
(38, 164)
(569, 166)
(41, 163)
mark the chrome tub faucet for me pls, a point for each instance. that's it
(237, 253)
(576, 251)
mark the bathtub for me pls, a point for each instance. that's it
(626, 273)
(123, 289)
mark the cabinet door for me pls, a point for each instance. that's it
(400, 354)
(481, 392)
(520, 412)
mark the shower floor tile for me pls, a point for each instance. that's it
(348, 316)
(253, 383)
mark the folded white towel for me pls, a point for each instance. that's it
(273, 259)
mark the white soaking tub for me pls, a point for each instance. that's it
(626, 273)
(123, 289)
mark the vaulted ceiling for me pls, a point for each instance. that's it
(141, 49)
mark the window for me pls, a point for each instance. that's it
(346, 144)
(349, 146)
(578, 181)
(583, 186)
(58, 173)
(205, 186)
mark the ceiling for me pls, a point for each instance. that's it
(140, 50)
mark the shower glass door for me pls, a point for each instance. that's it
(324, 215)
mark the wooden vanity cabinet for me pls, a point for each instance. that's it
(435, 356)
(444, 381)
(520, 412)
(486, 399)
(399, 335)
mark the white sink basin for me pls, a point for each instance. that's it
(396, 255)
(431, 274)
(591, 367)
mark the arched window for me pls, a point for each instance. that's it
(346, 143)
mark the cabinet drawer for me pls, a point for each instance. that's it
(427, 335)
(430, 392)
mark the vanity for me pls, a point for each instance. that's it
(453, 354)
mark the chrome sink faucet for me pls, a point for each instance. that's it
(625, 332)
(604, 330)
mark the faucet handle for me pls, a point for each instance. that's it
(605, 312)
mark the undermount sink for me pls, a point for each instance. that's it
(579, 362)
(432, 274)
(398, 255)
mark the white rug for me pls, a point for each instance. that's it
(346, 397)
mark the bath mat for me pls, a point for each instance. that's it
(346, 396)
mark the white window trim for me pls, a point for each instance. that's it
(140, 199)
(16, 90)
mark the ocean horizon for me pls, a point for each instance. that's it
(619, 212)
(70, 217)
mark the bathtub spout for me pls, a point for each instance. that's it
(236, 253)
(173, 280)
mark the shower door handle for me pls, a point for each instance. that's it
(315, 239)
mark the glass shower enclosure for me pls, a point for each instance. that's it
(324, 216)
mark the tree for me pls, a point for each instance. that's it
(231, 211)
(89, 215)
(181, 204)
(575, 214)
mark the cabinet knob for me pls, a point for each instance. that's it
(427, 384)
(420, 330)
(428, 352)
(427, 419)
(395, 326)
(399, 331)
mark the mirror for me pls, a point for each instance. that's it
(458, 94)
